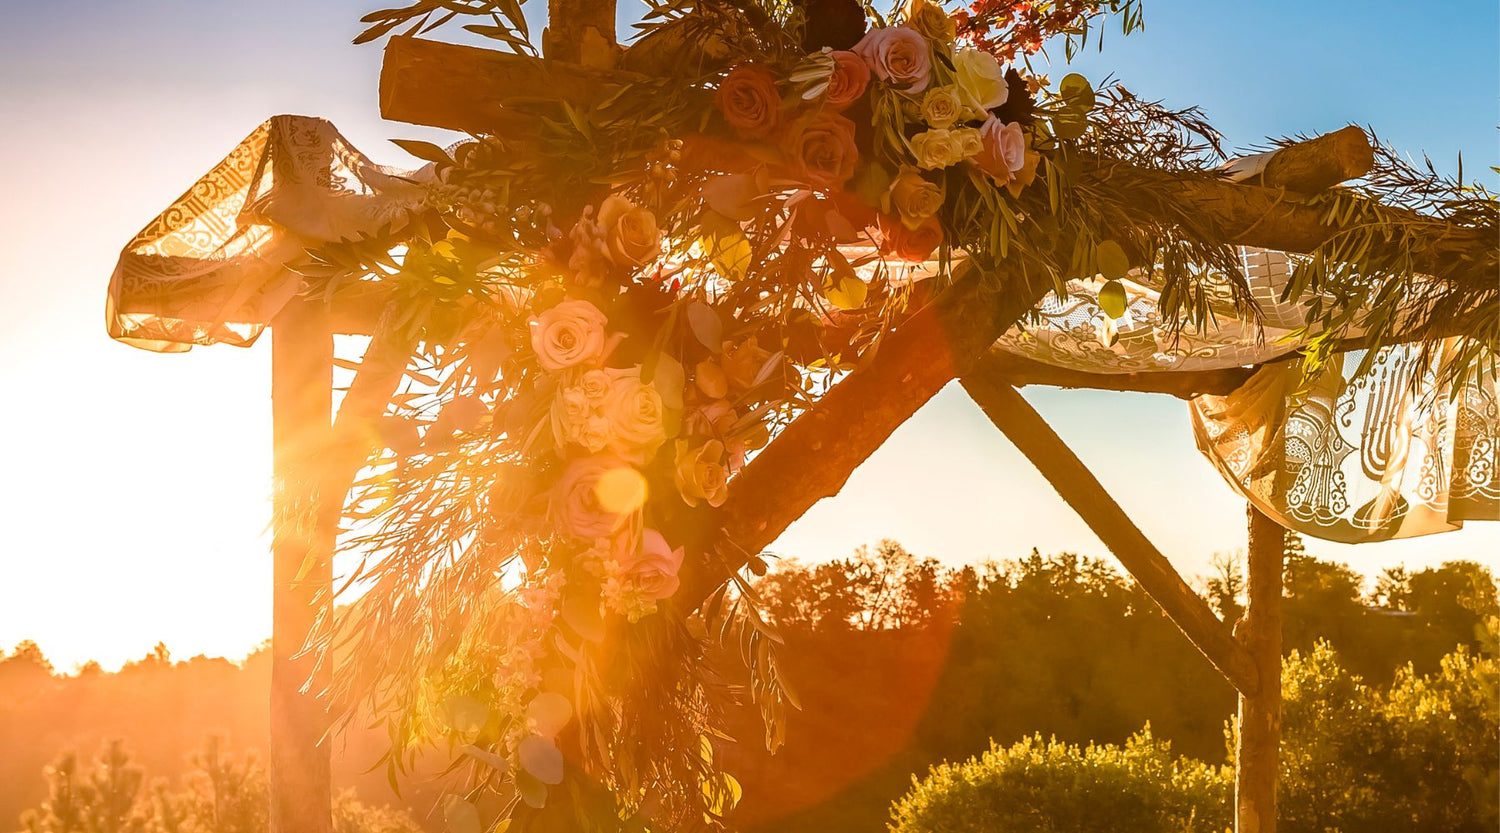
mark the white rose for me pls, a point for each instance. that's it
(981, 78)
(570, 413)
(637, 416)
(942, 148)
(568, 335)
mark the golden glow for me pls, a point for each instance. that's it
(621, 490)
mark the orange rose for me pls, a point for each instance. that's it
(911, 245)
(847, 83)
(822, 151)
(749, 101)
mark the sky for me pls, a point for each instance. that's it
(135, 487)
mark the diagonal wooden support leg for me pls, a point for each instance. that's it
(302, 571)
(1015, 417)
(1258, 741)
(814, 456)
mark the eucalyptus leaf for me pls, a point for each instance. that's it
(541, 758)
(1112, 299)
(1113, 263)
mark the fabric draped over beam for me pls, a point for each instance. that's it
(1389, 454)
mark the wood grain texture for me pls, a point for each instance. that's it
(302, 568)
(1023, 426)
(1258, 742)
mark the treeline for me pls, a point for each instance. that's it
(900, 663)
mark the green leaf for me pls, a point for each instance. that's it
(1112, 299)
(426, 151)
(1113, 263)
(461, 816)
(726, 245)
(550, 712)
(1077, 93)
(464, 714)
(532, 791)
(541, 758)
(705, 325)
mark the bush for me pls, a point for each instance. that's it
(222, 795)
(1038, 786)
(1423, 757)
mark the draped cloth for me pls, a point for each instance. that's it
(213, 268)
(1359, 458)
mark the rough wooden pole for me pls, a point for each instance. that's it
(302, 571)
(1020, 422)
(1257, 752)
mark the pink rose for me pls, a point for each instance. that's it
(1002, 149)
(575, 508)
(913, 245)
(823, 150)
(898, 56)
(748, 99)
(653, 569)
(847, 83)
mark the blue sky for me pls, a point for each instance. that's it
(136, 493)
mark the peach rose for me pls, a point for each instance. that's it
(653, 569)
(823, 150)
(913, 245)
(898, 56)
(1003, 150)
(575, 508)
(913, 198)
(700, 473)
(630, 234)
(748, 99)
(568, 335)
(851, 75)
(636, 415)
(743, 363)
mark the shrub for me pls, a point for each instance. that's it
(222, 795)
(1038, 786)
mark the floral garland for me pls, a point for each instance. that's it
(618, 358)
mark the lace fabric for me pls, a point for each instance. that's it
(1355, 459)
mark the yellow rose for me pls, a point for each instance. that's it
(932, 22)
(913, 198)
(942, 106)
(981, 78)
(701, 474)
(940, 148)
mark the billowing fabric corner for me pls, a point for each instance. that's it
(213, 267)
(1387, 454)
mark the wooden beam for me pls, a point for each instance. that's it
(302, 568)
(1258, 740)
(1014, 416)
(1019, 371)
(476, 90)
(1318, 164)
(813, 457)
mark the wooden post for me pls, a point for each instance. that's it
(302, 571)
(1257, 751)
(1020, 422)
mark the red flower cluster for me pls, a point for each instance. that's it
(1008, 28)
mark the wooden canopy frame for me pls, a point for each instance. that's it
(444, 85)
